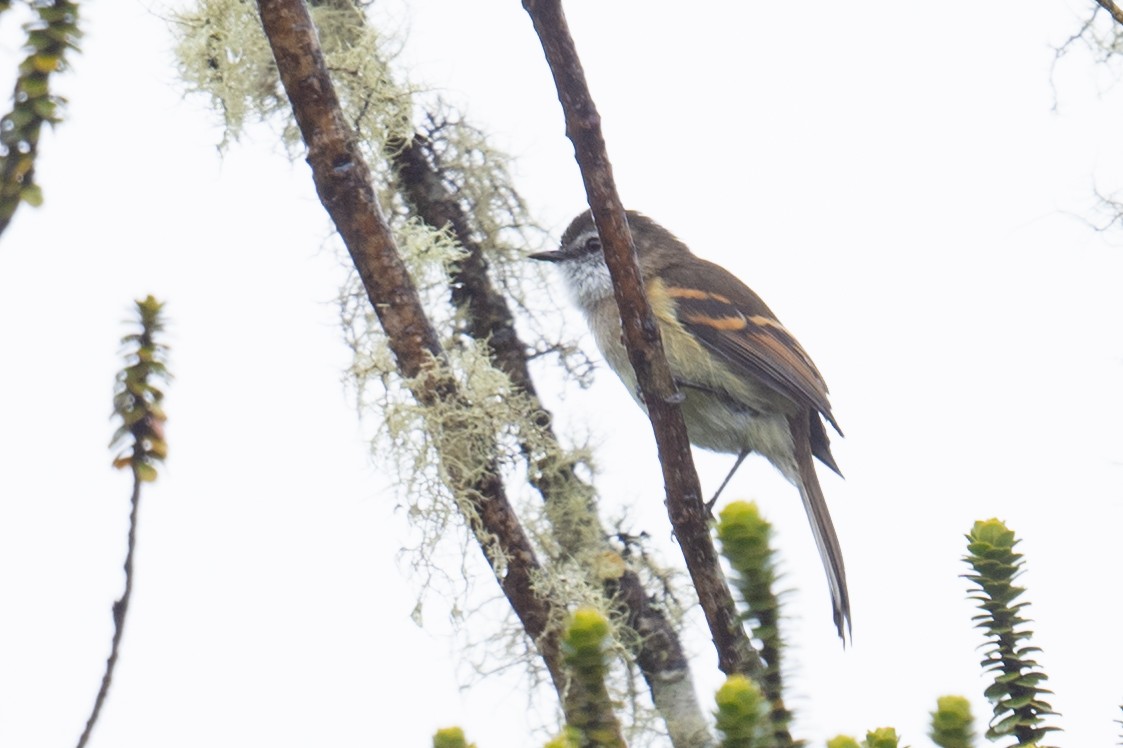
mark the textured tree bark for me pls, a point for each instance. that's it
(645, 348)
(343, 182)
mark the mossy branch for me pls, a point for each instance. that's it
(479, 220)
(344, 184)
(50, 37)
(1017, 695)
(137, 401)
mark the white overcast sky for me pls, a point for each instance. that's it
(905, 183)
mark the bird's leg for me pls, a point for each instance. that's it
(740, 458)
(736, 405)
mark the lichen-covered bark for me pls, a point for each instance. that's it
(343, 182)
(663, 663)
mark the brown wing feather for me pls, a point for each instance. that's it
(735, 323)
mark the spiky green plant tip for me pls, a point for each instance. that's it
(953, 725)
(137, 401)
(882, 737)
(843, 741)
(990, 551)
(746, 541)
(742, 713)
(450, 737)
(49, 37)
(588, 706)
(744, 533)
(1017, 695)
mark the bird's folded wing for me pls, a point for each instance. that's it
(735, 323)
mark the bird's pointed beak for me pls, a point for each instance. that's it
(555, 255)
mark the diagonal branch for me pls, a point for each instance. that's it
(1113, 8)
(642, 340)
(343, 182)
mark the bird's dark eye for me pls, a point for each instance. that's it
(592, 244)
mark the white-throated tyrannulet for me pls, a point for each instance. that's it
(748, 385)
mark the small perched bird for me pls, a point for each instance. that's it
(748, 385)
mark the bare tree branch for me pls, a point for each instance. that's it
(343, 182)
(1113, 8)
(641, 337)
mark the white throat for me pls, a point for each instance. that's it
(587, 276)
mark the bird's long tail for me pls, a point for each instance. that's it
(821, 525)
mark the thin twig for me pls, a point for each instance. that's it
(120, 609)
(642, 340)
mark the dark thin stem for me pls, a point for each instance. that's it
(643, 342)
(120, 609)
